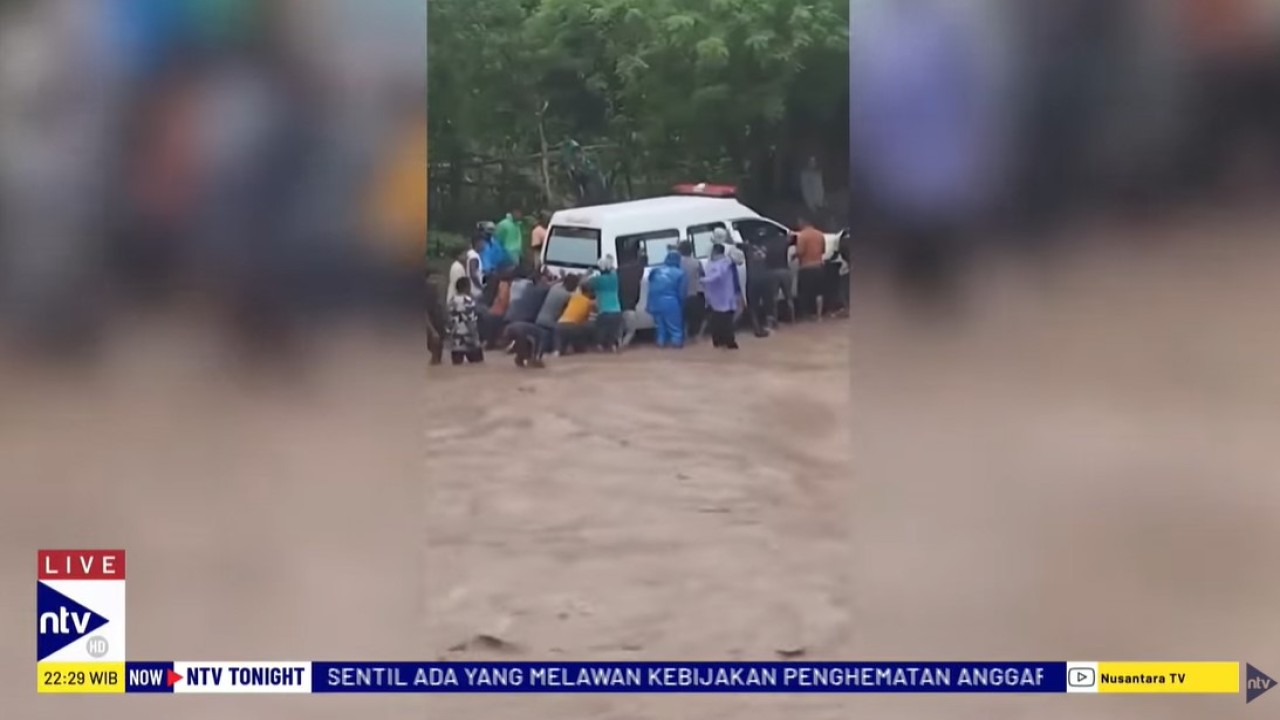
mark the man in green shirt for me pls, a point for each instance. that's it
(511, 236)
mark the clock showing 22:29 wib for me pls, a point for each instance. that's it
(58, 678)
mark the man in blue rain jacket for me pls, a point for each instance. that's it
(667, 284)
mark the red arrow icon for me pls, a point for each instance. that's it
(174, 677)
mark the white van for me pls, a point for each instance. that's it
(578, 237)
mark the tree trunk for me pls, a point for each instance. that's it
(457, 190)
(547, 194)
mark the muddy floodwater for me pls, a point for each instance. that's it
(657, 504)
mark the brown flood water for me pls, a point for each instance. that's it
(675, 505)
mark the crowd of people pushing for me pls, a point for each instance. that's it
(498, 297)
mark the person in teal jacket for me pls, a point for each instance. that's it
(609, 319)
(667, 284)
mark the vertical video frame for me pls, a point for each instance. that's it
(638, 268)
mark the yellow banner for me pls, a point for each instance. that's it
(80, 677)
(1169, 677)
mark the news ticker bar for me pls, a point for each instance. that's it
(279, 677)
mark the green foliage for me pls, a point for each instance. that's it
(686, 89)
(445, 245)
(439, 265)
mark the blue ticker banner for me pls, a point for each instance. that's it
(688, 677)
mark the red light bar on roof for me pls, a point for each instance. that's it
(706, 190)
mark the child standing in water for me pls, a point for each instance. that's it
(464, 325)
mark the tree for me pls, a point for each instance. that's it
(727, 90)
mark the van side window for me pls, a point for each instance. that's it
(774, 239)
(703, 238)
(760, 232)
(653, 245)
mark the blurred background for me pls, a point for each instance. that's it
(248, 154)
(987, 122)
(1064, 365)
(212, 215)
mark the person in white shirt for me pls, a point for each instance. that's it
(474, 267)
(812, 187)
(457, 270)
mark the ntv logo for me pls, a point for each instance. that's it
(61, 621)
(65, 621)
(1256, 683)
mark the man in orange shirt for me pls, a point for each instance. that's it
(811, 248)
(537, 239)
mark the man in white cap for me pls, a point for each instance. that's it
(719, 284)
(608, 305)
(739, 259)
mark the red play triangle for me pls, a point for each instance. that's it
(174, 678)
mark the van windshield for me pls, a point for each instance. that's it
(574, 247)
